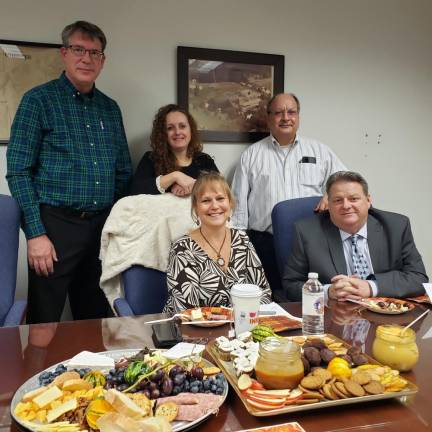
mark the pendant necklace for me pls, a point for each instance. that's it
(219, 259)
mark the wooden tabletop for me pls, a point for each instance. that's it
(26, 350)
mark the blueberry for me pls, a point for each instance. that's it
(219, 382)
(219, 391)
(206, 385)
(112, 372)
(213, 388)
(176, 390)
(44, 375)
(194, 389)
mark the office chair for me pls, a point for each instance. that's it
(284, 215)
(11, 313)
(145, 291)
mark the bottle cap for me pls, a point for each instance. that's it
(312, 275)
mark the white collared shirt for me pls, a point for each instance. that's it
(363, 247)
(269, 173)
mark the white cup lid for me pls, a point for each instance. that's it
(246, 290)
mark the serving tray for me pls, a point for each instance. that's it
(228, 369)
(33, 383)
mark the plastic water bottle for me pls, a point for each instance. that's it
(313, 306)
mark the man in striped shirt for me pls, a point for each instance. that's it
(281, 166)
(67, 162)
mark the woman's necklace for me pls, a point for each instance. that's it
(219, 259)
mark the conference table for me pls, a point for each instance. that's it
(28, 349)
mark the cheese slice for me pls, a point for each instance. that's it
(55, 413)
(92, 360)
(32, 394)
(47, 396)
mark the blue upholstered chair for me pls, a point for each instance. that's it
(284, 215)
(145, 292)
(11, 313)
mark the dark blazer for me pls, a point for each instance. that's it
(398, 266)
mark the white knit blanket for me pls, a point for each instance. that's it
(139, 230)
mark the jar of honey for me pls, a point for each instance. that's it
(279, 364)
(395, 347)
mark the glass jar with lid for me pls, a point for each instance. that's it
(279, 365)
(395, 347)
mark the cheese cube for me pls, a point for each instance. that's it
(47, 397)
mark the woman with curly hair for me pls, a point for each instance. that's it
(176, 159)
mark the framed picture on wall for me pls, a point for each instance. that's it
(23, 65)
(227, 91)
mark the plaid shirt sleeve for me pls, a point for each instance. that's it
(123, 163)
(22, 155)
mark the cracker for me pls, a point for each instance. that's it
(169, 410)
(329, 393)
(354, 388)
(361, 378)
(311, 382)
(341, 387)
(338, 392)
(325, 374)
(374, 387)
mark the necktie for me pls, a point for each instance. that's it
(361, 267)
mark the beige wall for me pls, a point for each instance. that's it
(359, 67)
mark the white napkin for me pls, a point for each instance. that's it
(89, 359)
(183, 349)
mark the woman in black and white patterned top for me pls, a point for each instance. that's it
(204, 265)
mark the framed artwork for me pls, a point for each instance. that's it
(227, 91)
(23, 65)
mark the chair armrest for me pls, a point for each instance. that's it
(16, 314)
(122, 307)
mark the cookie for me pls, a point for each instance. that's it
(338, 392)
(329, 393)
(312, 382)
(310, 394)
(354, 388)
(374, 387)
(341, 387)
(325, 374)
(361, 378)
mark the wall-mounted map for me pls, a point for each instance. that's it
(23, 65)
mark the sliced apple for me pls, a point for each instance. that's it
(267, 401)
(244, 382)
(263, 406)
(295, 395)
(256, 385)
(273, 393)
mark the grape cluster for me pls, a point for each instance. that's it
(115, 379)
(47, 377)
(159, 384)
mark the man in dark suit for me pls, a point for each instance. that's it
(358, 251)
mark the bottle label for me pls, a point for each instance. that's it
(313, 304)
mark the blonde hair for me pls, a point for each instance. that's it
(204, 181)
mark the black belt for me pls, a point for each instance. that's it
(81, 214)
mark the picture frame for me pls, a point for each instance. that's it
(23, 65)
(227, 91)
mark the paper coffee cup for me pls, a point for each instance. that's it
(245, 299)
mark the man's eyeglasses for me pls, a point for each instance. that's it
(79, 51)
(289, 113)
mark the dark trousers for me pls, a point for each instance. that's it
(263, 244)
(76, 239)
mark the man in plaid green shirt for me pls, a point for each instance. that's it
(67, 163)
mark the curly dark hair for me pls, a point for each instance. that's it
(164, 159)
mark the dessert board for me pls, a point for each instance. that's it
(33, 383)
(228, 368)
